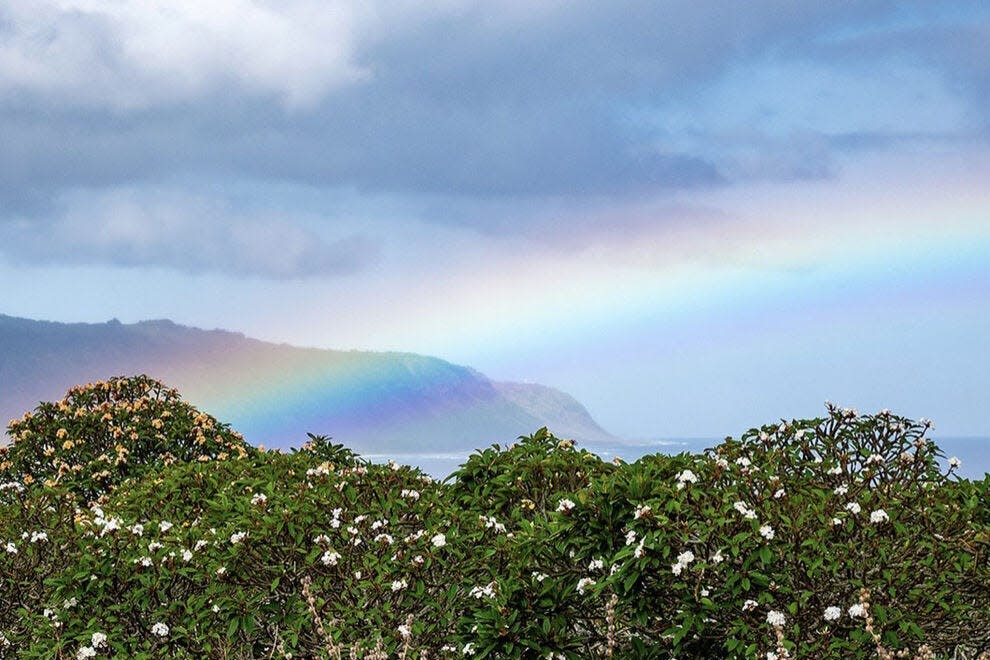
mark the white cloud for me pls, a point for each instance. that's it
(137, 53)
(133, 227)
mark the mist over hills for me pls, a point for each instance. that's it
(274, 393)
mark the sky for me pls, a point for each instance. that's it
(695, 217)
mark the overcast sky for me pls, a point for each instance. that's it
(693, 216)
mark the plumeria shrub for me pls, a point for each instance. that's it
(221, 553)
(781, 543)
(103, 433)
(837, 537)
(526, 479)
(524, 600)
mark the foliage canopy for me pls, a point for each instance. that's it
(134, 526)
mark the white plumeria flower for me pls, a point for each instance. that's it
(841, 490)
(767, 532)
(717, 558)
(832, 613)
(137, 529)
(683, 560)
(853, 507)
(237, 537)
(187, 555)
(85, 652)
(164, 526)
(686, 476)
(439, 540)
(746, 512)
(399, 585)
(584, 583)
(954, 462)
(259, 499)
(98, 640)
(110, 526)
(160, 629)
(565, 505)
(750, 604)
(596, 565)
(857, 610)
(879, 516)
(641, 511)
(330, 558)
(480, 592)
(775, 618)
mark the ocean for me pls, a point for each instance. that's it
(974, 452)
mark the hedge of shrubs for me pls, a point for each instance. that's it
(134, 526)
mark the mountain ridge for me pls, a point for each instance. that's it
(275, 393)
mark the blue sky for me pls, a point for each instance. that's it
(695, 217)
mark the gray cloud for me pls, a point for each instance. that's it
(480, 107)
(140, 228)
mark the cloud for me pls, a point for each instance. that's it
(955, 47)
(136, 54)
(140, 228)
(477, 108)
